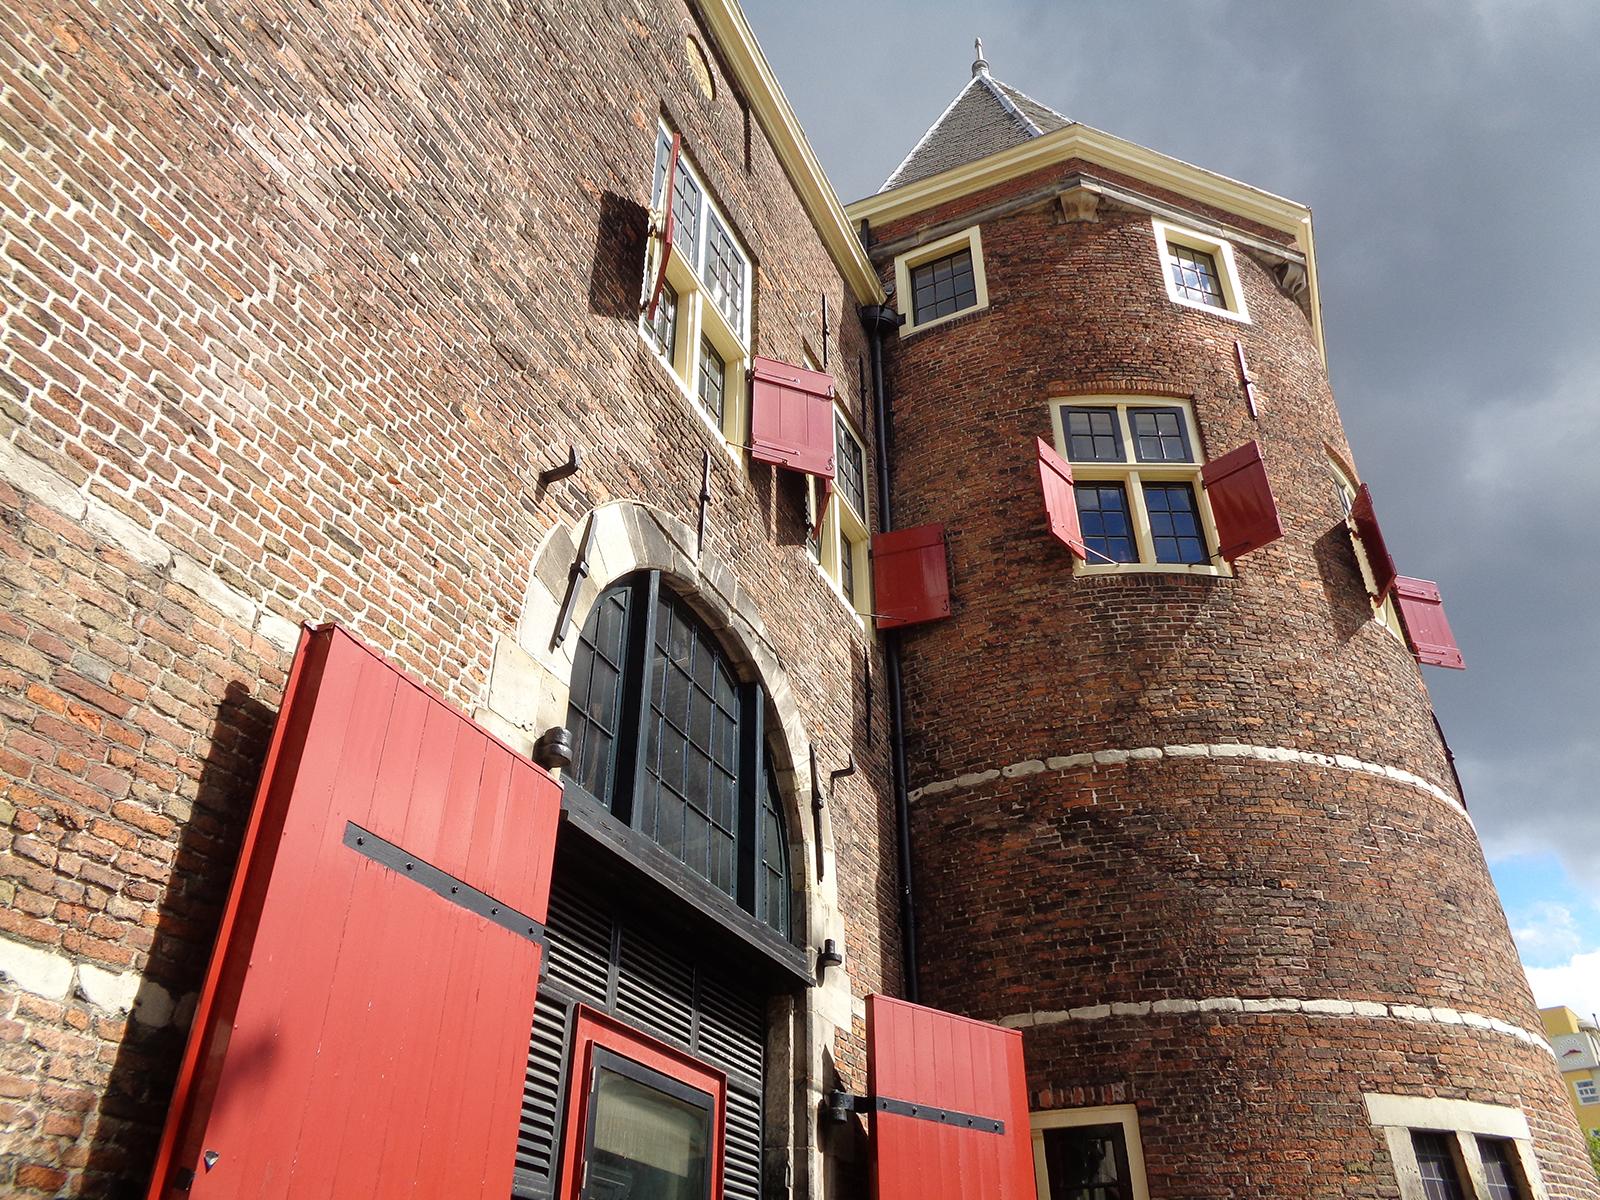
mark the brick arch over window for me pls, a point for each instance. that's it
(528, 693)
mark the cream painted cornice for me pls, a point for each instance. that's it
(727, 25)
(1118, 154)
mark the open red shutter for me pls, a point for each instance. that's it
(910, 578)
(1242, 506)
(364, 1022)
(949, 1106)
(1060, 502)
(1422, 612)
(1378, 557)
(791, 417)
(668, 208)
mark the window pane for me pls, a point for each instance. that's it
(691, 746)
(645, 1143)
(1194, 275)
(664, 329)
(724, 272)
(850, 466)
(713, 373)
(943, 286)
(1103, 515)
(1440, 1180)
(1093, 435)
(773, 902)
(847, 570)
(594, 703)
(1159, 435)
(686, 198)
(1174, 523)
(1087, 1162)
(1497, 1169)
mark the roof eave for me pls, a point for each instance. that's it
(727, 26)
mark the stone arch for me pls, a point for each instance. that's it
(527, 694)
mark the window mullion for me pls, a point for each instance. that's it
(633, 732)
(750, 884)
(1140, 519)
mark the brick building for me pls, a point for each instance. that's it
(406, 409)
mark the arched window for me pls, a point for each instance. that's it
(667, 738)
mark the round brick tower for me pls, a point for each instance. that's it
(1192, 828)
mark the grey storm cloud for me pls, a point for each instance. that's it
(1451, 154)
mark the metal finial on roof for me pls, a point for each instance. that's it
(980, 65)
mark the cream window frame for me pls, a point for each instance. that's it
(969, 238)
(844, 532)
(1221, 253)
(1384, 611)
(1125, 1115)
(1462, 1122)
(1132, 474)
(699, 316)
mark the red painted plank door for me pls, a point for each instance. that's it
(1422, 612)
(1242, 507)
(791, 417)
(365, 1029)
(910, 576)
(1371, 538)
(922, 1057)
(1060, 499)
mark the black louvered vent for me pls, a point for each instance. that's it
(656, 990)
(592, 956)
(741, 1165)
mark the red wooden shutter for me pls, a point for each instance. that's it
(1422, 613)
(928, 1072)
(791, 417)
(364, 1022)
(668, 226)
(1378, 557)
(1060, 501)
(910, 578)
(1242, 506)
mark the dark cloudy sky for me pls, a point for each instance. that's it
(1450, 150)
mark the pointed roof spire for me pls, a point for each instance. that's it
(985, 117)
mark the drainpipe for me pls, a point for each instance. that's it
(880, 320)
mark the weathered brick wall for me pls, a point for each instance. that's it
(298, 302)
(1271, 816)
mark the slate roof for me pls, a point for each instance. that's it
(986, 116)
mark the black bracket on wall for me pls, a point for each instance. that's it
(579, 571)
(705, 500)
(817, 803)
(561, 471)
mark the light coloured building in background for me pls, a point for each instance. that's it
(1576, 1041)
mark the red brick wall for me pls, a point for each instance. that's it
(1051, 888)
(298, 303)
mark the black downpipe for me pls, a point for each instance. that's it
(880, 319)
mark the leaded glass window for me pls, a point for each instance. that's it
(1194, 275)
(1159, 435)
(1440, 1178)
(943, 286)
(1103, 515)
(1498, 1172)
(664, 327)
(713, 380)
(1174, 523)
(1092, 435)
(667, 738)
(850, 466)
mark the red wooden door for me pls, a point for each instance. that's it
(949, 1106)
(364, 1027)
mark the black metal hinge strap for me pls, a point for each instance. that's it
(942, 1116)
(579, 572)
(448, 887)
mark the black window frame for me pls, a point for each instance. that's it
(1187, 260)
(1436, 1148)
(1055, 1149)
(925, 277)
(625, 774)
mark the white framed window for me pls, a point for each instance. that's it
(1456, 1149)
(941, 281)
(1588, 1091)
(840, 543)
(703, 337)
(1200, 271)
(1383, 611)
(1088, 1154)
(1136, 478)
